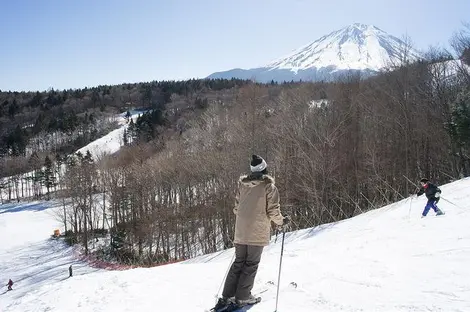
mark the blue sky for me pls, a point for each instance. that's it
(73, 44)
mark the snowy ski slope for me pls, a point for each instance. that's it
(106, 145)
(388, 259)
(113, 141)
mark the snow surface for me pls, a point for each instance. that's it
(387, 259)
(357, 46)
(113, 141)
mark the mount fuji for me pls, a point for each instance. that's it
(355, 48)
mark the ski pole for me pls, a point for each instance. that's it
(225, 277)
(409, 210)
(280, 265)
(450, 202)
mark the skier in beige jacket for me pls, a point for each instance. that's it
(256, 205)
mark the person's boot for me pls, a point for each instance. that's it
(223, 302)
(250, 300)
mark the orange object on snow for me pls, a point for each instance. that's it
(56, 232)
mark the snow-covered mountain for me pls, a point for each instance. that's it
(357, 47)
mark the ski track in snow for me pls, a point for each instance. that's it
(382, 260)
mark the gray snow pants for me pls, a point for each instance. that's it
(241, 277)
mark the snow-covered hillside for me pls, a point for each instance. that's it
(388, 259)
(357, 47)
(113, 141)
(106, 145)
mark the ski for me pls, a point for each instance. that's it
(433, 216)
(233, 307)
(220, 308)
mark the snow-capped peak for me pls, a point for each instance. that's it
(357, 46)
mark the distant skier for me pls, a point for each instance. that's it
(10, 283)
(256, 205)
(70, 271)
(433, 193)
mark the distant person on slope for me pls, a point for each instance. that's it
(256, 205)
(433, 193)
(10, 283)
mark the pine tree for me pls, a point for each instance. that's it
(13, 109)
(125, 138)
(38, 180)
(49, 177)
(131, 132)
(460, 129)
(35, 165)
(88, 159)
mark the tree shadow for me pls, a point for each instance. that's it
(40, 206)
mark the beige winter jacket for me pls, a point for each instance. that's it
(256, 205)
